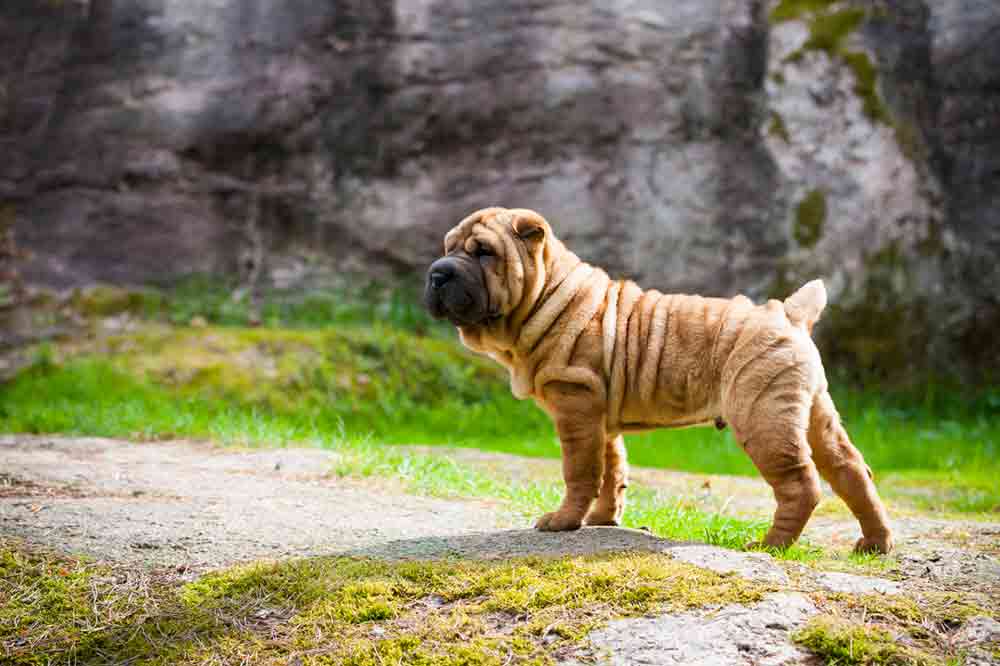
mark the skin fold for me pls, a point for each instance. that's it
(603, 357)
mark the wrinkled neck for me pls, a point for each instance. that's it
(507, 335)
(554, 300)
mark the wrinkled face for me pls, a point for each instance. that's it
(491, 261)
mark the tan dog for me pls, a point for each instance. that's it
(603, 357)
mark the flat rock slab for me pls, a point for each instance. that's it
(187, 504)
(755, 566)
(521, 543)
(834, 581)
(756, 634)
(980, 638)
(587, 541)
(951, 568)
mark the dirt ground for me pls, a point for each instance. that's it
(194, 505)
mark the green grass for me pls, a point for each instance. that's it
(937, 449)
(90, 397)
(363, 302)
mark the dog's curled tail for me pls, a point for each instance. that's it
(804, 306)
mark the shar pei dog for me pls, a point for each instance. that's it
(603, 358)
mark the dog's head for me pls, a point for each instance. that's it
(493, 263)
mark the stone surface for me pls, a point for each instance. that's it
(755, 566)
(980, 638)
(835, 581)
(504, 544)
(198, 506)
(145, 140)
(977, 631)
(958, 568)
(756, 634)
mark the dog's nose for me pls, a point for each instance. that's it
(440, 274)
(439, 278)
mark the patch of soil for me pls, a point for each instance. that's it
(15, 487)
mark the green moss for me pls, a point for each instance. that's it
(877, 333)
(777, 128)
(107, 300)
(337, 610)
(942, 610)
(284, 369)
(789, 10)
(810, 218)
(556, 599)
(865, 86)
(59, 609)
(828, 31)
(326, 610)
(890, 629)
(838, 641)
(909, 138)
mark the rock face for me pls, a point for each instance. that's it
(729, 635)
(719, 146)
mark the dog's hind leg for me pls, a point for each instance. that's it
(783, 460)
(769, 413)
(610, 504)
(843, 467)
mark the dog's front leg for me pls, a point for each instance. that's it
(579, 421)
(610, 504)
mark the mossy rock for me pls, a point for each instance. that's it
(840, 641)
(865, 86)
(810, 218)
(340, 610)
(881, 332)
(828, 30)
(108, 300)
(789, 10)
(777, 128)
(284, 369)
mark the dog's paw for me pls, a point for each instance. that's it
(557, 521)
(882, 545)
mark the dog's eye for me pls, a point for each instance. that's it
(483, 251)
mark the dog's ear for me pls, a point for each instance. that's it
(530, 226)
(451, 239)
